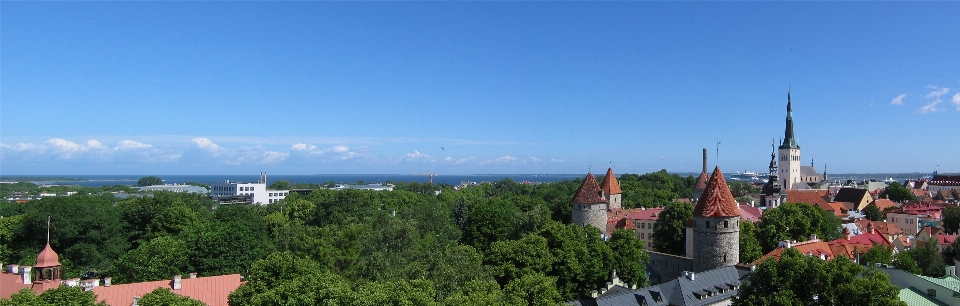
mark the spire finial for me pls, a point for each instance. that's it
(48, 229)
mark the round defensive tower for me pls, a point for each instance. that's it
(716, 227)
(589, 205)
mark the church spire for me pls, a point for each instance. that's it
(789, 142)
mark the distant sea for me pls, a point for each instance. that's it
(100, 180)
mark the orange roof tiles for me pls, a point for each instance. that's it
(211, 290)
(813, 247)
(811, 197)
(649, 214)
(884, 204)
(717, 201)
(610, 184)
(589, 192)
(702, 181)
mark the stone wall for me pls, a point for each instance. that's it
(613, 201)
(590, 214)
(716, 242)
(665, 267)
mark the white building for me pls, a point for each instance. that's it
(257, 192)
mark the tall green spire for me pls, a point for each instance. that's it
(789, 142)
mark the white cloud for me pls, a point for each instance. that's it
(536, 160)
(302, 147)
(938, 92)
(464, 160)
(448, 158)
(417, 154)
(556, 160)
(270, 157)
(662, 157)
(131, 145)
(18, 147)
(956, 101)
(63, 145)
(898, 100)
(341, 149)
(205, 144)
(930, 108)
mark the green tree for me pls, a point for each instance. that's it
(477, 293)
(796, 221)
(670, 228)
(898, 193)
(533, 289)
(629, 259)
(905, 262)
(164, 297)
(839, 281)
(149, 181)
(160, 258)
(740, 189)
(873, 213)
(951, 218)
(60, 296)
(285, 279)
(877, 254)
(749, 246)
(511, 259)
(279, 185)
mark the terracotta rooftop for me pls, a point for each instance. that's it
(702, 181)
(884, 204)
(589, 192)
(610, 184)
(750, 213)
(812, 248)
(878, 226)
(811, 197)
(648, 214)
(717, 201)
(211, 290)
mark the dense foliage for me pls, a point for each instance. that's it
(951, 218)
(501, 243)
(796, 221)
(750, 249)
(670, 228)
(798, 279)
(898, 193)
(873, 213)
(149, 181)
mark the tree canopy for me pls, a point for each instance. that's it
(898, 193)
(670, 228)
(796, 221)
(797, 279)
(149, 181)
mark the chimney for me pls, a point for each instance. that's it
(26, 275)
(193, 275)
(13, 269)
(704, 160)
(177, 282)
(692, 276)
(135, 300)
(107, 280)
(813, 237)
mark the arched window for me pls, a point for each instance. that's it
(725, 225)
(708, 224)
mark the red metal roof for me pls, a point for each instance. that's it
(717, 201)
(211, 290)
(47, 258)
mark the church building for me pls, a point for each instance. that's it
(792, 174)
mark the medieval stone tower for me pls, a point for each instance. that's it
(716, 226)
(701, 180)
(789, 152)
(610, 189)
(589, 204)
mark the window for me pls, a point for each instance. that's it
(643, 225)
(708, 224)
(932, 292)
(642, 236)
(725, 225)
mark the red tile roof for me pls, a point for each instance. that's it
(946, 239)
(884, 204)
(10, 284)
(47, 258)
(610, 184)
(211, 290)
(813, 247)
(589, 192)
(717, 201)
(702, 181)
(878, 226)
(750, 213)
(648, 214)
(811, 197)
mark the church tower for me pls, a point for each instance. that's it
(611, 190)
(789, 152)
(589, 205)
(716, 226)
(770, 193)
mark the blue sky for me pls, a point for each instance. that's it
(475, 87)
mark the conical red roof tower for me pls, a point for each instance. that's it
(589, 192)
(610, 184)
(717, 201)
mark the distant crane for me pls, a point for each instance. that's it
(431, 175)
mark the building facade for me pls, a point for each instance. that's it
(257, 192)
(792, 174)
